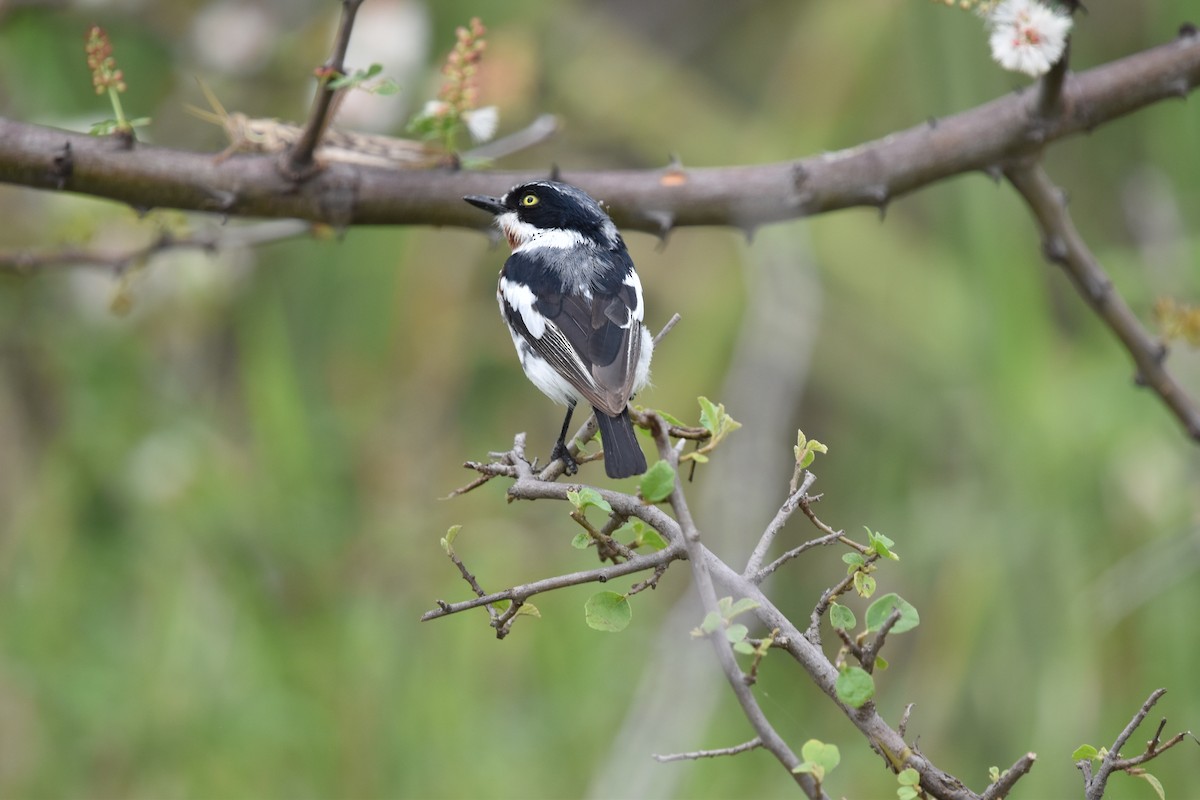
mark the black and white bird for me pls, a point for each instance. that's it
(573, 304)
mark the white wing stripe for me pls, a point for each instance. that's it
(522, 300)
(638, 309)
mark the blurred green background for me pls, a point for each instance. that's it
(220, 513)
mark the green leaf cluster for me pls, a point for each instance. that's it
(806, 450)
(910, 784)
(722, 619)
(820, 759)
(448, 539)
(858, 566)
(586, 497)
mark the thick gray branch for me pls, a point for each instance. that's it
(871, 174)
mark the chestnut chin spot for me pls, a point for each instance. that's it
(512, 240)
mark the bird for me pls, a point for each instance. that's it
(573, 304)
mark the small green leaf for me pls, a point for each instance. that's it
(712, 622)
(841, 617)
(881, 544)
(825, 755)
(864, 584)
(716, 420)
(386, 87)
(741, 607)
(652, 539)
(816, 770)
(881, 609)
(448, 539)
(854, 686)
(670, 419)
(587, 496)
(698, 457)
(993, 774)
(744, 647)
(709, 416)
(658, 482)
(526, 609)
(608, 611)
(582, 541)
(736, 632)
(909, 777)
(1085, 751)
(806, 449)
(907, 793)
(881, 663)
(854, 560)
(1154, 782)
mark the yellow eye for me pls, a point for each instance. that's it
(529, 200)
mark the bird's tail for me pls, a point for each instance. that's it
(622, 454)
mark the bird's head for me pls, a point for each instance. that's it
(549, 213)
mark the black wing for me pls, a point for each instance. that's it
(593, 341)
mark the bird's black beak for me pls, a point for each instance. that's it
(490, 204)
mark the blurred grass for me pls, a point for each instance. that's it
(219, 515)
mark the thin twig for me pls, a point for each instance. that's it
(813, 634)
(1009, 778)
(821, 541)
(698, 754)
(671, 323)
(648, 583)
(527, 590)
(607, 545)
(775, 526)
(298, 162)
(24, 262)
(1063, 245)
(1094, 785)
(870, 652)
(760, 651)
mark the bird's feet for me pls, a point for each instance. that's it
(560, 452)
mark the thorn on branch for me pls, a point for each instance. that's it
(902, 728)
(64, 165)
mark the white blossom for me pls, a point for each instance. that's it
(482, 122)
(1027, 36)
